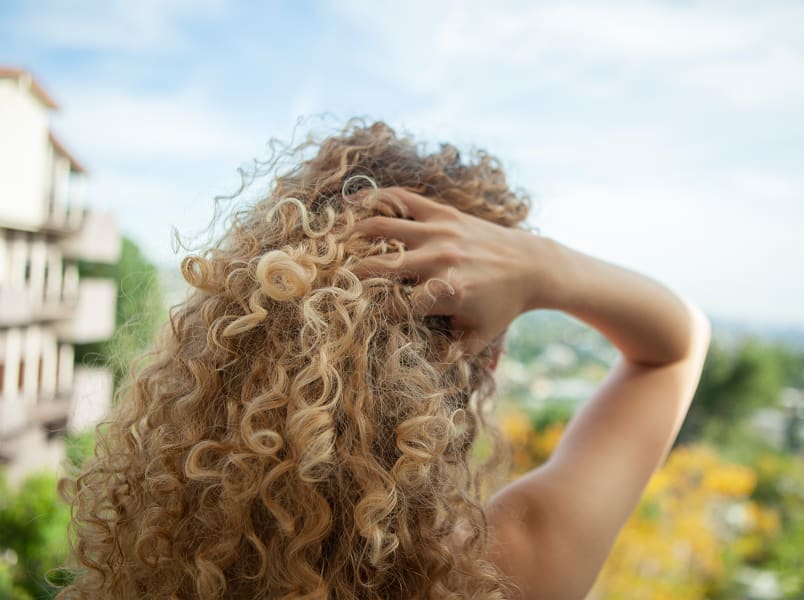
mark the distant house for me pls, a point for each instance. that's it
(46, 308)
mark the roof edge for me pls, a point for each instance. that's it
(61, 149)
(29, 80)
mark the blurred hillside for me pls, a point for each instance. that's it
(731, 331)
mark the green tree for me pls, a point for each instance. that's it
(734, 383)
(33, 521)
(791, 364)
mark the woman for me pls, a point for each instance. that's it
(304, 428)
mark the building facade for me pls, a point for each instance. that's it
(46, 308)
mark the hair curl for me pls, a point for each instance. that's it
(299, 432)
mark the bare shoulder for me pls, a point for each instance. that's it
(535, 566)
(528, 543)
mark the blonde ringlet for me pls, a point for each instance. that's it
(294, 282)
(297, 431)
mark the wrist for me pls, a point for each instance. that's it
(545, 267)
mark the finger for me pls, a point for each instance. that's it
(411, 233)
(419, 207)
(378, 266)
(413, 265)
(433, 297)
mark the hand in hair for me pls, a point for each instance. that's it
(464, 267)
(552, 529)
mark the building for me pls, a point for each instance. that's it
(46, 307)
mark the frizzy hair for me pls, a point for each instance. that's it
(299, 432)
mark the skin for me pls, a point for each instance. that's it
(552, 529)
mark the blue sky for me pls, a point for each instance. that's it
(667, 137)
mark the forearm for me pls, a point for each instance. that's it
(646, 321)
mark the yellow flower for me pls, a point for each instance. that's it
(516, 427)
(730, 480)
(542, 444)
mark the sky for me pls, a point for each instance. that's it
(666, 137)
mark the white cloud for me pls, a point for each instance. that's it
(747, 54)
(114, 123)
(771, 79)
(148, 26)
(731, 242)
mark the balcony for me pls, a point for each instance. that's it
(97, 241)
(40, 287)
(54, 410)
(94, 316)
(64, 191)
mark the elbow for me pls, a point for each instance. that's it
(701, 331)
(691, 333)
(698, 337)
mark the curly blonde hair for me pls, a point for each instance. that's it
(299, 432)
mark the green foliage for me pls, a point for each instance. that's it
(140, 309)
(780, 483)
(8, 589)
(734, 383)
(554, 413)
(33, 521)
(791, 364)
(79, 447)
(786, 557)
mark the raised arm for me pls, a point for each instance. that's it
(552, 529)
